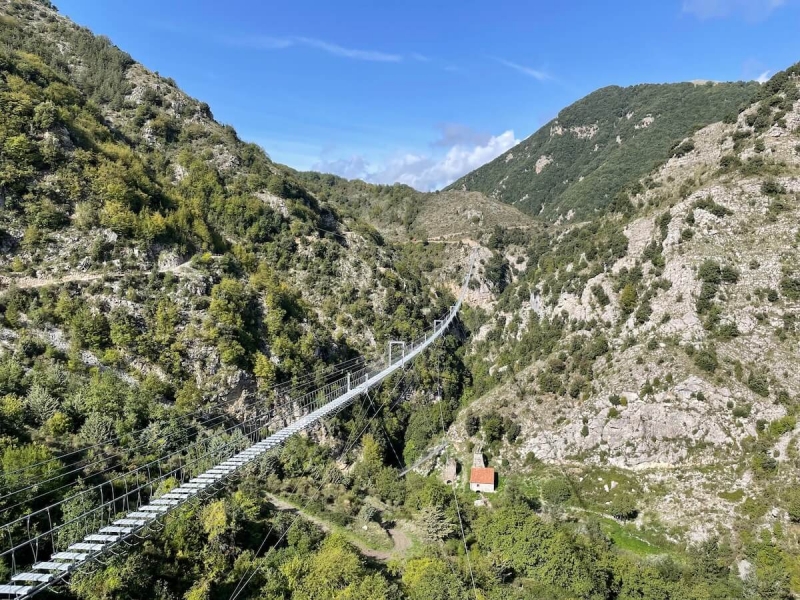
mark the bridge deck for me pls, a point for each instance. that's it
(40, 575)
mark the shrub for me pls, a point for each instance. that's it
(730, 161)
(683, 148)
(793, 504)
(790, 286)
(614, 399)
(759, 383)
(556, 491)
(513, 432)
(706, 359)
(613, 413)
(600, 294)
(709, 205)
(772, 187)
(742, 411)
(783, 425)
(623, 507)
(729, 274)
(628, 298)
(727, 331)
(709, 272)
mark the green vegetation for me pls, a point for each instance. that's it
(590, 168)
(282, 274)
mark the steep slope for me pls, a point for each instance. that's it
(577, 163)
(153, 264)
(402, 213)
(657, 347)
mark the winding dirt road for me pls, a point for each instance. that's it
(401, 541)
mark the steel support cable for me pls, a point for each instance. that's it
(100, 510)
(58, 577)
(292, 385)
(455, 495)
(239, 585)
(62, 576)
(370, 379)
(242, 584)
(149, 480)
(185, 435)
(385, 430)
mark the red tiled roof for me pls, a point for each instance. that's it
(482, 475)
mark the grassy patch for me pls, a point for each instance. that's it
(629, 541)
(735, 496)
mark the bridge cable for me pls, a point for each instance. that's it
(386, 431)
(149, 479)
(453, 487)
(303, 382)
(242, 585)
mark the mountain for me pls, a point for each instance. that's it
(631, 373)
(577, 163)
(402, 213)
(652, 352)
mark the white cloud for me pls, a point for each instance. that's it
(751, 10)
(537, 74)
(354, 167)
(423, 172)
(337, 50)
(280, 43)
(764, 77)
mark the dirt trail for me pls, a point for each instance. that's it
(400, 539)
(33, 282)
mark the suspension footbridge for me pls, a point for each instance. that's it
(42, 548)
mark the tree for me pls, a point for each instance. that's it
(472, 422)
(435, 525)
(40, 404)
(232, 320)
(431, 579)
(334, 568)
(367, 469)
(493, 427)
(556, 491)
(628, 298)
(623, 507)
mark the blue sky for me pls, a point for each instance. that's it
(425, 91)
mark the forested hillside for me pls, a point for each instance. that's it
(161, 280)
(603, 144)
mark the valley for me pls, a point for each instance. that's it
(625, 357)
